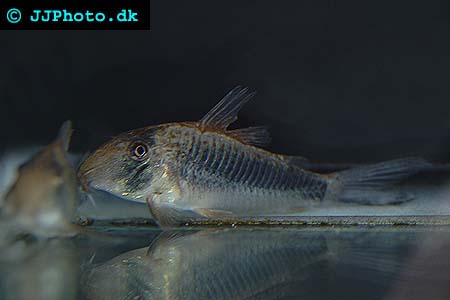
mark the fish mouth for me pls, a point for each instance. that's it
(86, 188)
(85, 184)
(86, 178)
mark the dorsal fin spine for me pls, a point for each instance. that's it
(226, 111)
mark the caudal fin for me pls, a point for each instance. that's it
(371, 184)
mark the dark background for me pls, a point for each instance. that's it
(336, 80)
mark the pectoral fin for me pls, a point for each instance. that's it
(168, 216)
(214, 213)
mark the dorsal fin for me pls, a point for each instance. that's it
(255, 135)
(225, 112)
(65, 133)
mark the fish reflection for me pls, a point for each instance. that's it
(427, 275)
(49, 272)
(210, 264)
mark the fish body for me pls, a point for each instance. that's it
(44, 196)
(212, 170)
(211, 264)
(203, 170)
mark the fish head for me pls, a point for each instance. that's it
(111, 279)
(122, 166)
(45, 189)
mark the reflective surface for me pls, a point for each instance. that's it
(231, 263)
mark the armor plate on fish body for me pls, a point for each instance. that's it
(219, 173)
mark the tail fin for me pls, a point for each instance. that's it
(377, 257)
(370, 184)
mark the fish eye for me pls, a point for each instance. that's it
(139, 150)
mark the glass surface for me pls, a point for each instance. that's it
(231, 263)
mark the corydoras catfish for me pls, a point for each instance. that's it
(44, 196)
(201, 169)
(212, 264)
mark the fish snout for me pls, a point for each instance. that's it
(88, 174)
(97, 174)
(84, 181)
